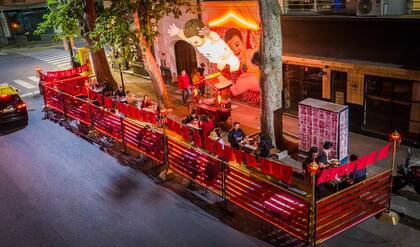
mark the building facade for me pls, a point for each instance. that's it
(365, 57)
(20, 18)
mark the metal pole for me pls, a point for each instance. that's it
(45, 100)
(313, 228)
(121, 75)
(394, 151)
(64, 106)
(224, 185)
(122, 135)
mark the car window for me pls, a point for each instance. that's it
(6, 100)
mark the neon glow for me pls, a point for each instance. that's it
(232, 16)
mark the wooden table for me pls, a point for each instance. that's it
(220, 114)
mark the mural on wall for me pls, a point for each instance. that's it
(208, 43)
(231, 42)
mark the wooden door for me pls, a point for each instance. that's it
(185, 57)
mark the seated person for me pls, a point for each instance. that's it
(146, 102)
(265, 145)
(130, 98)
(236, 135)
(312, 156)
(206, 125)
(215, 135)
(190, 118)
(323, 157)
(119, 93)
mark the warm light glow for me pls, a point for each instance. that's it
(21, 106)
(219, 99)
(232, 16)
(395, 137)
(15, 25)
(314, 168)
(195, 92)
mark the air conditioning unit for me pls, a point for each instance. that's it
(369, 7)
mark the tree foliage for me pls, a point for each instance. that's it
(63, 15)
(115, 26)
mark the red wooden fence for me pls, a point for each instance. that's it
(352, 205)
(277, 205)
(273, 203)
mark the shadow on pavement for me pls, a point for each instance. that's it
(122, 185)
(9, 128)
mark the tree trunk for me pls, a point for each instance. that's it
(99, 60)
(153, 69)
(271, 82)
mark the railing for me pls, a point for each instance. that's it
(314, 6)
(352, 205)
(281, 206)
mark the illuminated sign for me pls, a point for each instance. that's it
(238, 20)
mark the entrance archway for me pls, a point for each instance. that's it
(185, 57)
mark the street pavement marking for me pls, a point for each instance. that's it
(63, 63)
(29, 94)
(56, 60)
(33, 78)
(24, 84)
(3, 54)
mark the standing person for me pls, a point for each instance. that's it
(184, 85)
(236, 135)
(202, 69)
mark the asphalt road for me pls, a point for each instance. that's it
(56, 189)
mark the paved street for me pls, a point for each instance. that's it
(56, 189)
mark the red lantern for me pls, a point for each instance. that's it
(395, 137)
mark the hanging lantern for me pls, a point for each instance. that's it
(219, 99)
(395, 137)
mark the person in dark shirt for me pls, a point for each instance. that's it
(119, 93)
(236, 135)
(193, 116)
(323, 158)
(265, 145)
(202, 69)
(312, 156)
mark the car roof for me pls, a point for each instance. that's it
(7, 90)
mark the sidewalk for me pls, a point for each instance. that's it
(407, 203)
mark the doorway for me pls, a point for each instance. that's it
(185, 57)
(339, 87)
(387, 105)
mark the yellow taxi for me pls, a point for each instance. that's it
(12, 107)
